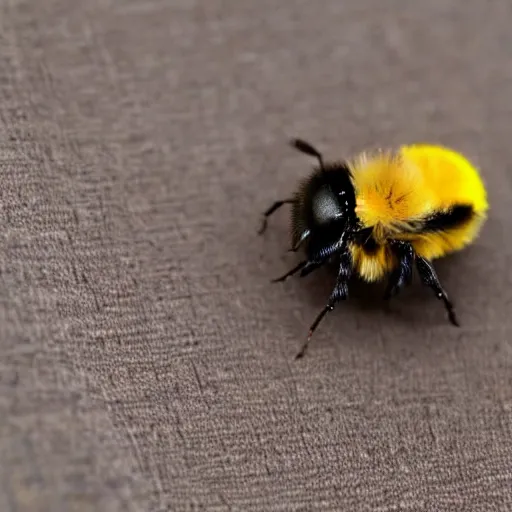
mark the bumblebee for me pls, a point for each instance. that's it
(382, 213)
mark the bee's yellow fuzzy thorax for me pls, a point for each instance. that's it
(389, 191)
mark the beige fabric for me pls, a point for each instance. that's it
(146, 362)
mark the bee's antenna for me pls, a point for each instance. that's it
(308, 149)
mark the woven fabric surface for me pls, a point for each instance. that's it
(146, 362)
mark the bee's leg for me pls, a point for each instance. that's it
(305, 267)
(402, 274)
(270, 211)
(305, 235)
(429, 277)
(339, 293)
(318, 257)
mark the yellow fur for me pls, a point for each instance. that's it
(372, 267)
(395, 188)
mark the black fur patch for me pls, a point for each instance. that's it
(445, 220)
(365, 239)
(370, 246)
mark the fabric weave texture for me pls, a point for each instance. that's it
(146, 361)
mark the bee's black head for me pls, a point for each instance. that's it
(332, 196)
(330, 188)
(328, 205)
(325, 210)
